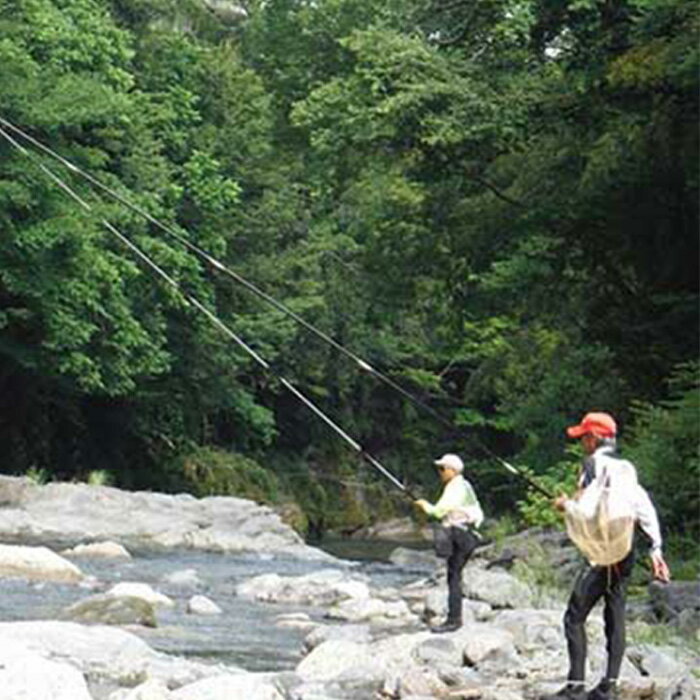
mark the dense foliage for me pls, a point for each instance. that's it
(494, 203)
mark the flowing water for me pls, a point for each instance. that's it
(245, 634)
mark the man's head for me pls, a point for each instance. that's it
(594, 429)
(449, 465)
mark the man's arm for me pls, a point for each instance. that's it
(649, 522)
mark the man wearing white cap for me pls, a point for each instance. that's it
(459, 513)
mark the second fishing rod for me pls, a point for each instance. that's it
(193, 302)
(219, 266)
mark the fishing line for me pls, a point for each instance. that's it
(194, 302)
(221, 267)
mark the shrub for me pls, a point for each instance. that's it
(206, 471)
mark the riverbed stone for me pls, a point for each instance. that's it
(24, 674)
(248, 686)
(36, 563)
(360, 634)
(150, 690)
(497, 588)
(533, 629)
(320, 588)
(369, 609)
(677, 602)
(133, 589)
(334, 657)
(98, 550)
(481, 641)
(201, 605)
(439, 650)
(110, 610)
(657, 662)
(106, 656)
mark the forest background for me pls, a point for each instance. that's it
(494, 202)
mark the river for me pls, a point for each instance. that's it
(245, 634)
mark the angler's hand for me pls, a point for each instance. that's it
(659, 567)
(421, 503)
(560, 501)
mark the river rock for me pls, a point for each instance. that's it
(677, 602)
(339, 658)
(150, 690)
(480, 641)
(323, 587)
(26, 674)
(110, 610)
(37, 563)
(131, 589)
(439, 650)
(104, 655)
(201, 605)
(415, 682)
(73, 513)
(98, 550)
(533, 629)
(359, 634)
(497, 588)
(369, 609)
(248, 686)
(435, 607)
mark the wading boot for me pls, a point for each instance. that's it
(605, 690)
(571, 691)
(447, 626)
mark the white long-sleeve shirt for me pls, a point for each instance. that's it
(457, 505)
(603, 460)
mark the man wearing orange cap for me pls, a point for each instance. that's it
(597, 432)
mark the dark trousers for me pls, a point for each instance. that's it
(464, 544)
(592, 584)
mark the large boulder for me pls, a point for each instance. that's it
(73, 513)
(104, 655)
(26, 674)
(37, 563)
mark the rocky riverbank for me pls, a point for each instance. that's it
(359, 639)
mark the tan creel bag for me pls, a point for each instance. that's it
(601, 522)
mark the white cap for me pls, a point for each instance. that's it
(450, 461)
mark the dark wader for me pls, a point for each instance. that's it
(463, 544)
(592, 584)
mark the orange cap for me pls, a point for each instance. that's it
(601, 425)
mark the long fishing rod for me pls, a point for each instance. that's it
(194, 302)
(218, 265)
